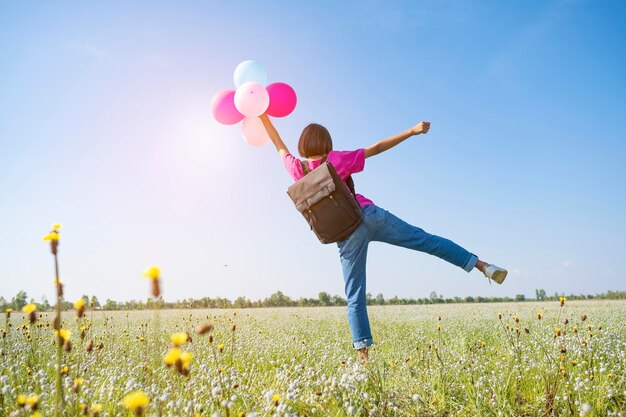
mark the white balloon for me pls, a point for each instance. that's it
(252, 99)
(249, 71)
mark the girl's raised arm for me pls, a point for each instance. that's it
(274, 136)
(386, 144)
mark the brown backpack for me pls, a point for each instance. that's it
(326, 203)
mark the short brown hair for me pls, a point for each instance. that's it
(314, 140)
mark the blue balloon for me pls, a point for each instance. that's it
(250, 71)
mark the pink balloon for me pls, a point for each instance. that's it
(254, 132)
(251, 99)
(223, 108)
(282, 99)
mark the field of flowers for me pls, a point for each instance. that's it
(530, 359)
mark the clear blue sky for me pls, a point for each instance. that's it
(105, 128)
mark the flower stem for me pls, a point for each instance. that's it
(59, 382)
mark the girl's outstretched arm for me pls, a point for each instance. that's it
(386, 144)
(274, 136)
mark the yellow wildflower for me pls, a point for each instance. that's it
(152, 272)
(65, 334)
(79, 305)
(220, 347)
(185, 358)
(21, 400)
(136, 401)
(32, 401)
(562, 300)
(172, 356)
(52, 236)
(78, 382)
(56, 227)
(539, 315)
(275, 399)
(29, 308)
(180, 338)
(96, 408)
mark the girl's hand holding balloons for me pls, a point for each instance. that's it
(250, 100)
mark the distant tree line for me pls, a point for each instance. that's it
(278, 299)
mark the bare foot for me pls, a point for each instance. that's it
(363, 356)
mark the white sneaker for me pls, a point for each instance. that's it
(496, 273)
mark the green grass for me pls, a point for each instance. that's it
(476, 364)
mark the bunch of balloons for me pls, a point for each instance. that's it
(250, 100)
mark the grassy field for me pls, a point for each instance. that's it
(466, 360)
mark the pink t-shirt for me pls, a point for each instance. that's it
(345, 163)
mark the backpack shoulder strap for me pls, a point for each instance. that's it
(349, 180)
(350, 184)
(305, 167)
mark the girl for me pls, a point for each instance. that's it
(378, 224)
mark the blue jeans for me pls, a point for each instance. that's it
(381, 226)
